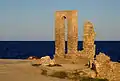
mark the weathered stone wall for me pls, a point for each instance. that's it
(72, 42)
(59, 34)
(72, 36)
(88, 40)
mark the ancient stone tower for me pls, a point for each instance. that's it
(72, 34)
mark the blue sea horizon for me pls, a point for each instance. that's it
(24, 49)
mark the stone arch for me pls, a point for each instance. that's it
(72, 32)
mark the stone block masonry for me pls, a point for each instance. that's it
(88, 40)
(72, 34)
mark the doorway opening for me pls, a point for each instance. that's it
(66, 32)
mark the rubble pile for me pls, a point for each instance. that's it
(105, 68)
(46, 60)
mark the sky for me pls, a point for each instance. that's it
(33, 20)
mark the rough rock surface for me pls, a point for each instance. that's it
(72, 59)
(101, 65)
(105, 68)
(46, 60)
(69, 71)
(88, 40)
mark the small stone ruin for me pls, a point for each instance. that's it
(72, 37)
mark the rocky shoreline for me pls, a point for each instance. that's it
(102, 68)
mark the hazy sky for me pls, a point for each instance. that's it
(34, 19)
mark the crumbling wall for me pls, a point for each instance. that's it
(72, 36)
(72, 43)
(59, 34)
(88, 40)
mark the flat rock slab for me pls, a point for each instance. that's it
(64, 67)
(65, 71)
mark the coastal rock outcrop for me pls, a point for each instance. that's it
(105, 68)
(76, 63)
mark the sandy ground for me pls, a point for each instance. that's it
(21, 70)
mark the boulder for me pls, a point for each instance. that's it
(52, 62)
(45, 60)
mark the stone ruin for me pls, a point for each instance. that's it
(99, 66)
(72, 36)
(73, 53)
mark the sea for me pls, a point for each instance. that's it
(24, 49)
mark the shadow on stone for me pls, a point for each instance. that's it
(44, 72)
(64, 75)
(91, 79)
(54, 65)
(36, 64)
(61, 75)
